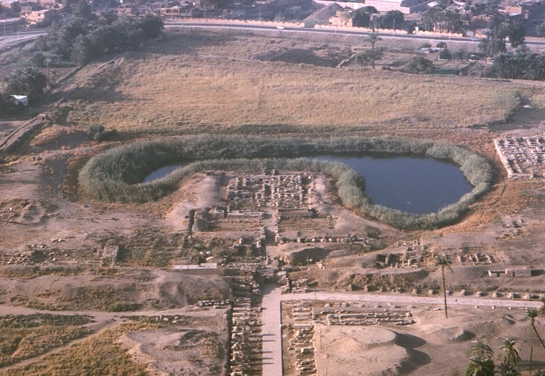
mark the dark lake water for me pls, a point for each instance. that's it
(161, 173)
(413, 185)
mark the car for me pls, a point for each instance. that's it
(280, 27)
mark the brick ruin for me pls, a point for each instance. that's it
(522, 157)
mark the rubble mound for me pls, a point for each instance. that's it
(25, 212)
(307, 255)
(363, 351)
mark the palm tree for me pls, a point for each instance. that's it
(504, 370)
(373, 38)
(480, 349)
(508, 355)
(532, 314)
(444, 262)
(480, 366)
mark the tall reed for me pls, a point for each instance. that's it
(116, 175)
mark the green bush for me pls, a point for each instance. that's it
(123, 307)
(96, 132)
(116, 175)
(418, 64)
(94, 129)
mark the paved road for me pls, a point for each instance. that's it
(13, 38)
(408, 299)
(219, 24)
(272, 335)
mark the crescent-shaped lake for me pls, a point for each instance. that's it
(410, 184)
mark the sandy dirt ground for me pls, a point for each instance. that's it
(51, 258)
(34, 215)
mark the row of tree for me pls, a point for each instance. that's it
(369, 17)
(521, 64)
(481, 359)
(82, 39)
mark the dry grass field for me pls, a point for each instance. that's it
(208, 82)
(95, 355)
(143, 317)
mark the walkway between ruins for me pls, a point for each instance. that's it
(272, 298)
(407, 299)
(271, 333)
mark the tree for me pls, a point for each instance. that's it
(360, 18)
(492, 45)
(431, 18)
(7, 107)
(444, 262)
(504, 370)
(369, 57)
(532, 314)
(216, 4)
(540, 29)
(480, 349)
(82, 51)
(509, 358)
(391, 19)
(29, 82)
(509, 65)
(480, 359)
(418, 64)
(81, 9)
(516, 33)
(60, 39)
(37, 60)
(508, 355)
(82, 40)
(479, 366)
(522, 64)
(373, 38)
(411, 27)
(152, 26)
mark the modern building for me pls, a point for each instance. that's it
(9, 25)
(10, 7)
(37, 16)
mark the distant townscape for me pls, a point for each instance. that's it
(468, 18)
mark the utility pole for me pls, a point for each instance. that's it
(393, 26)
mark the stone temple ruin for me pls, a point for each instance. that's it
(522, 157)
(250, 198)
(288, 191)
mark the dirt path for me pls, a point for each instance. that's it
(272, 334)
(102, 321)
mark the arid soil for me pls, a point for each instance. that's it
(52, 242)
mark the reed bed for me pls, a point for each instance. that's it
(116, 175)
